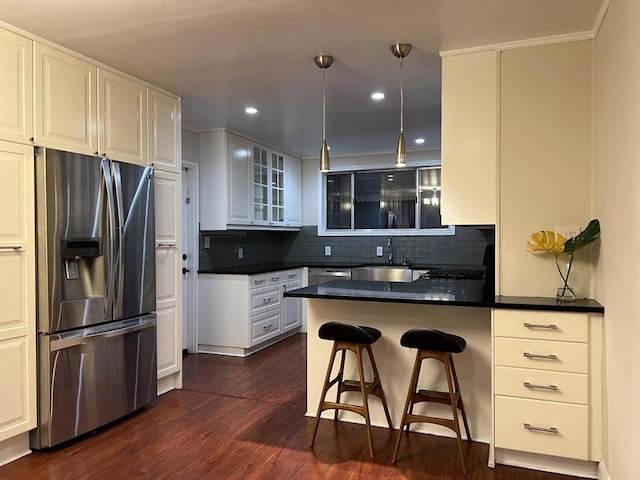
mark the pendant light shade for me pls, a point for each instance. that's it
(324, 62)
(401, 50)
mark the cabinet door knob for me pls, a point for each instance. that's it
(185, 270)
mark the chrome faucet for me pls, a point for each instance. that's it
(390, 250)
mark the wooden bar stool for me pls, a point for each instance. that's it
(355, 338)
(437, 345)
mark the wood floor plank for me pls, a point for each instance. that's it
(243, 419)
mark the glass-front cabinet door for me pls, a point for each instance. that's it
(277, 188)
(260, 185)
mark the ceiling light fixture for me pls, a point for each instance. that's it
(324, 62)
(419, 141)
(401, 50)
(251, 110)
(377, 96)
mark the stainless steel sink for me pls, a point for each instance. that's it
(383, 273)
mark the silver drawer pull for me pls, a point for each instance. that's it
(292, 275)
(540, 429)
(166, 245)
(551, 356)
(267, 327)
(258, 282)
(549, 326)
(11, 247)
(275, 279)
(267, 300)
(541, 387)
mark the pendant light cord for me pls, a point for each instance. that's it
(324, 101)
(401, 98)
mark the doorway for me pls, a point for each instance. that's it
(189, 256)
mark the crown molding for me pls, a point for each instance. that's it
(600, 17)
(527, 42)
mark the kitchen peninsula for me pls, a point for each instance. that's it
(516, 346)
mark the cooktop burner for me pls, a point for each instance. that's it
(464, 273)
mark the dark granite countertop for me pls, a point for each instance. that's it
(452, 292)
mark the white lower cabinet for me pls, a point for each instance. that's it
(547, 383)
(168, 281)
(292, 307)
(241, 314)
(17, 300)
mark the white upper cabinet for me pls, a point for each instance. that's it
(469, 139)
(164, 131)
(239, 155)
(16, 88)
(293, 191)
(65, 102)
(122, 114)
(245, 185)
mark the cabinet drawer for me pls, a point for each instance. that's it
(265, 326)
(276, 277)
(517, 421)
(291, 275)
(257, 281)
(541, 355)
(542, 385)
(263, 299)
(568, 327)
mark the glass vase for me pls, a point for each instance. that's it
(565, 292)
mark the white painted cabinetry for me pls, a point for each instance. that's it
(469, 139)
(168, 280)
(17, 284)
(65, 101)
(241, 314)
(293, 191)
(16, 88)
(164, 136)
(245, 185)
(83, 109)
(122, 118)
(547, 383)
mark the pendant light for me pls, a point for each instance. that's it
(401, 50)
(324, 62)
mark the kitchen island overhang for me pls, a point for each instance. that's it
(460, 307)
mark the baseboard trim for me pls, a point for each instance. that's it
(547, 463)
(168, 383)
(603, 473)
(14, 448)
(244, 352)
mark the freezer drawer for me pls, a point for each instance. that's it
(90, 377)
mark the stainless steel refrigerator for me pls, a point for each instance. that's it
(96, 293)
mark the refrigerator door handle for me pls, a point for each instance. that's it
(119, 259)
(62, 341)
(111, 234)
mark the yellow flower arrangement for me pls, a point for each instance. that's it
(547, 241)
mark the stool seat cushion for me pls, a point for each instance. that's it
(348, 332)
(434, 340)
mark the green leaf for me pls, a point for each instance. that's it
(584, 238)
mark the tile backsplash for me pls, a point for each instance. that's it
(466, 247)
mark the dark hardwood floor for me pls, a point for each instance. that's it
(244, 419)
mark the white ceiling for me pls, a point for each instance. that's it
(222, 55)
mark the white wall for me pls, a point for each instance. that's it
(310, 174)
(545, 162)
(616, 156)
(190, 148)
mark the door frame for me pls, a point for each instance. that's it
(190, 294)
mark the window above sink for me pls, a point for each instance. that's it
(382, 202)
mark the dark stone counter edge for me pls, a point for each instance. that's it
(502, 302)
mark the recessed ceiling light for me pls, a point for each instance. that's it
(419, 141)
(251, 110)
(377, 96)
